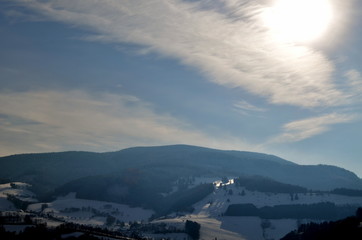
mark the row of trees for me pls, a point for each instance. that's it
(42, 232)
(182, 201)
(192, 229)
(18, 203)
(318, 211)
(347, 192)
(262, 184)
(348, 228)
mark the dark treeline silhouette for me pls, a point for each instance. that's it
(262, 184)
(349, 228)
(192, 229)
(35, 227)
(138, 188)
(4, 180)
(318, 211)
(18, 203)
(182, 201)
(347, 192)
(41, 232)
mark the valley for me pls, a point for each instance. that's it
(172, 192)
(209, 212)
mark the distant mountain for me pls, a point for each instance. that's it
(50, 170)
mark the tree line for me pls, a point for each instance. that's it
(317, 211)
(347, 228)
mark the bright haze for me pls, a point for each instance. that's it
(281, 77)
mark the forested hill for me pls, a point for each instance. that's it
(54, 169)
(348, 228)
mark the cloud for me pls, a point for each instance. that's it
(354, 80)
(354, 77)
(43, 121)
(226, 41)
(245, 108)
(244, 105)
(14, 15)
(307, 128)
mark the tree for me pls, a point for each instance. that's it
(265, 223)
(192, 229)
(359, 213)
(110, 220)
(27, 219)
(44, 206)
(296, 197)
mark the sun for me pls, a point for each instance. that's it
(299, 20)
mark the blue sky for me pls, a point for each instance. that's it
(105, 75)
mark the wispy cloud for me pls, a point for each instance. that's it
(354, 80)
(244, 105)
(246, 108)
(41, 121)
(225, 40)
(354, 77)
(307, 128)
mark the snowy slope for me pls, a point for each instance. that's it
(216, 203)
(17, 189)
(90, 212)
(209, 212)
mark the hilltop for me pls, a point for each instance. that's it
(47, 171)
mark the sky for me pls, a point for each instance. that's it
(252, 75)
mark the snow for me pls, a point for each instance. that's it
(20, 191)
(236, 228)
(210, 227)
(53, 223)
(248, 227)
(208, 212)
(220, 200)
(85, 211)
(215, 180)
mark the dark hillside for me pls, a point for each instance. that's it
(48, 170)
(348, 228)
(137, 188)
(262, 184)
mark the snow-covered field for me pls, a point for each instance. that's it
(216, 204)
(208, 212)
(90, 212)
(237, 228)
(17, 189)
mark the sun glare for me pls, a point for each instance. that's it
(299, 20)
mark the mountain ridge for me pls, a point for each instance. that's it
(180, 160)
